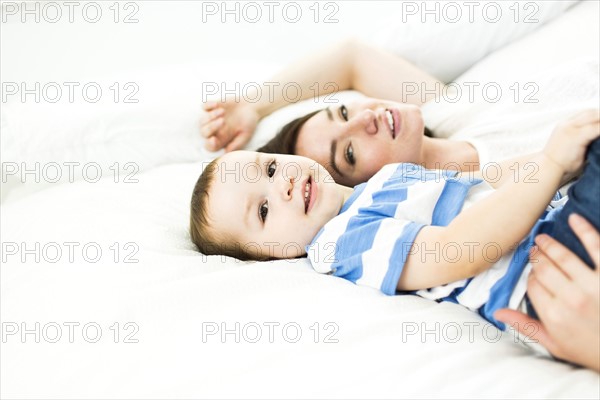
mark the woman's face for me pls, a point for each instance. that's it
(354, 141)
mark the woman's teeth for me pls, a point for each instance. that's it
(390, 119)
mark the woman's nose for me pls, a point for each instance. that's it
(363, 122)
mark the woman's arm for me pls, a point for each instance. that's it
(353, 65)
(505, 217)
(349, 65)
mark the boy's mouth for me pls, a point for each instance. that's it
(309, 194)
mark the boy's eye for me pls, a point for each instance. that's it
(263, 211)
(344, 112)
(271, 169)
(350, 154)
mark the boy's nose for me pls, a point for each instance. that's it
(288, 188)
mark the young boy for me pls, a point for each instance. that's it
(439, 234)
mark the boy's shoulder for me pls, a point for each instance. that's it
(407, 174)
(391, 179)
(393, 171)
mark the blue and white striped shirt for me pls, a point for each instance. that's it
(368, 242)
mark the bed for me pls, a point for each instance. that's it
(126, 307)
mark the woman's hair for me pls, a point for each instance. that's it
(285, 141)
(428, 132)
(206, 239)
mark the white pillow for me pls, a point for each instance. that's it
(161, 128)
(543, 79)
(462, 34)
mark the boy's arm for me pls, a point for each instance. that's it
(498, 221)
(502, 219)
(498, 174)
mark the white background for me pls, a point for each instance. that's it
(172, 32)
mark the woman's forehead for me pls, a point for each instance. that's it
(314, 136)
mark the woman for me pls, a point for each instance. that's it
(355, 140)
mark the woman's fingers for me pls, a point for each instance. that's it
(549, 275)
(211, 115)
(589, 236)
(238, 142)
(539, 295)
(210, 144)
(516, 319)
(210, 128)
(213, 143)
(513, 318)
(571, 293)
(223, 139)
(552, 312)
(209, 105)
(562, 257)
(527, 326)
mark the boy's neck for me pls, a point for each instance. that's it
(449, 154)
(346, 193)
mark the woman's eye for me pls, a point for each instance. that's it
(271, 169)
(350, 155)
(263, 211)
(344, 112)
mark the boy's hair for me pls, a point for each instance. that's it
(204, 237)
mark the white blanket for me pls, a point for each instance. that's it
(374, 345)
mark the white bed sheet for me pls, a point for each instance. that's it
(173, 290)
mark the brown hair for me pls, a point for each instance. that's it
(285, 141)
(206, 239)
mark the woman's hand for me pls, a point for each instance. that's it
(566, 295)
(228, 125)
(569, 141)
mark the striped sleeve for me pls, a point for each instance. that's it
(369, 242)
(381, 265)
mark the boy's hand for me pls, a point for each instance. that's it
(230, 125)
(569, 141)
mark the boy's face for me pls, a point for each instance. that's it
(272, 203)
